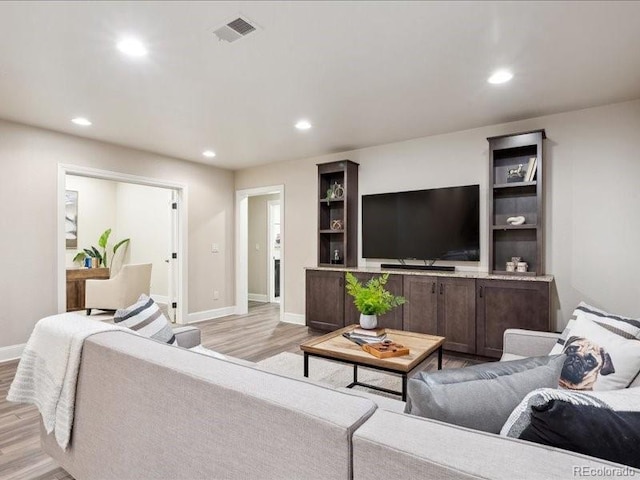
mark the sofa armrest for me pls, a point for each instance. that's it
(414, 447)
(528, 343)
(188, 337)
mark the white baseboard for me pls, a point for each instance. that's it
(210, 314)
(160, 298)
(296, 318)
(258, 297)
(12, 352)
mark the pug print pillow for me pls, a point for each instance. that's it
(598, 359)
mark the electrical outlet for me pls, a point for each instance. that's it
(257, 246)
(215, 248)
(216, 295)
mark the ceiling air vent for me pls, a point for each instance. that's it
(234, 30)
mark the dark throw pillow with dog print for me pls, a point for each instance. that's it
(590, 430)
(598, 359)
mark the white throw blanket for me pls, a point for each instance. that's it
(48, 369)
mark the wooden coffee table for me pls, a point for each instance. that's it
(333, 346)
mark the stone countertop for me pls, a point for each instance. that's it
(432, 273)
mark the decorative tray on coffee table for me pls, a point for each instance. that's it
(385, 349)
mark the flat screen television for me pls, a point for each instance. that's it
(435, 224)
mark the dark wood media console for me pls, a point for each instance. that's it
(472, 310)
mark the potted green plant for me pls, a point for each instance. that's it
(372, 299)
(100, 256)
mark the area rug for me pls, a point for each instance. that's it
(333, 373)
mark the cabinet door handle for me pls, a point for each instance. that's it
(481, 288)
(433, 287)
(441, 288)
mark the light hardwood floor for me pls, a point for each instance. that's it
(254, 337)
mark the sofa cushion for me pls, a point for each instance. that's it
(598, 359)
(483, 404)
(596, 431)
(146, 318)
(624, 326)
(483, 371)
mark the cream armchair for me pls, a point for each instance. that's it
(120, 291)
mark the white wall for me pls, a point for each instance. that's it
(96, 211)
(592, 164)
(258, 244)
(29, 159)
(143, 214)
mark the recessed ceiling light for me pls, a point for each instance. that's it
(209, 153)
(501, 76)
(303, 125)
(132, 47)
(85, 122)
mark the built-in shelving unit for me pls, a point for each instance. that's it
(512, 196)
(338, 213)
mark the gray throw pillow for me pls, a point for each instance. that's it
(483, 404)
(483, 371)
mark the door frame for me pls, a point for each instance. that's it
(271, 250)
(180, 270)
(242, 245)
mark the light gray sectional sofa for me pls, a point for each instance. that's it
(149, 410)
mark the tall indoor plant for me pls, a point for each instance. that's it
(372, 299)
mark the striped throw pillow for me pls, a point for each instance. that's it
(623, 326)
(146, 318)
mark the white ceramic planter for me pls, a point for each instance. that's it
(368, 321)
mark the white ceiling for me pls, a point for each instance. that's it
(364, 73)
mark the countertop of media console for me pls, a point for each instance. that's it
(432, 273)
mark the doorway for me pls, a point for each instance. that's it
(272, 246)
(274, 256)
(149, 212)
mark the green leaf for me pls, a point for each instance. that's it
(104, 238)
(80, 256)
(89, 252)
(119, 244)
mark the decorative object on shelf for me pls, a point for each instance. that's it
(511, 267)
(515, 260)
(519, 220)
(100, 257)
(336, 192)
(336, 257)
(531, 169)
(522, 267)
(372, 299)
(336, 224)
(516, 174)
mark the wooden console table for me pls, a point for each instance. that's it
(75, 285)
